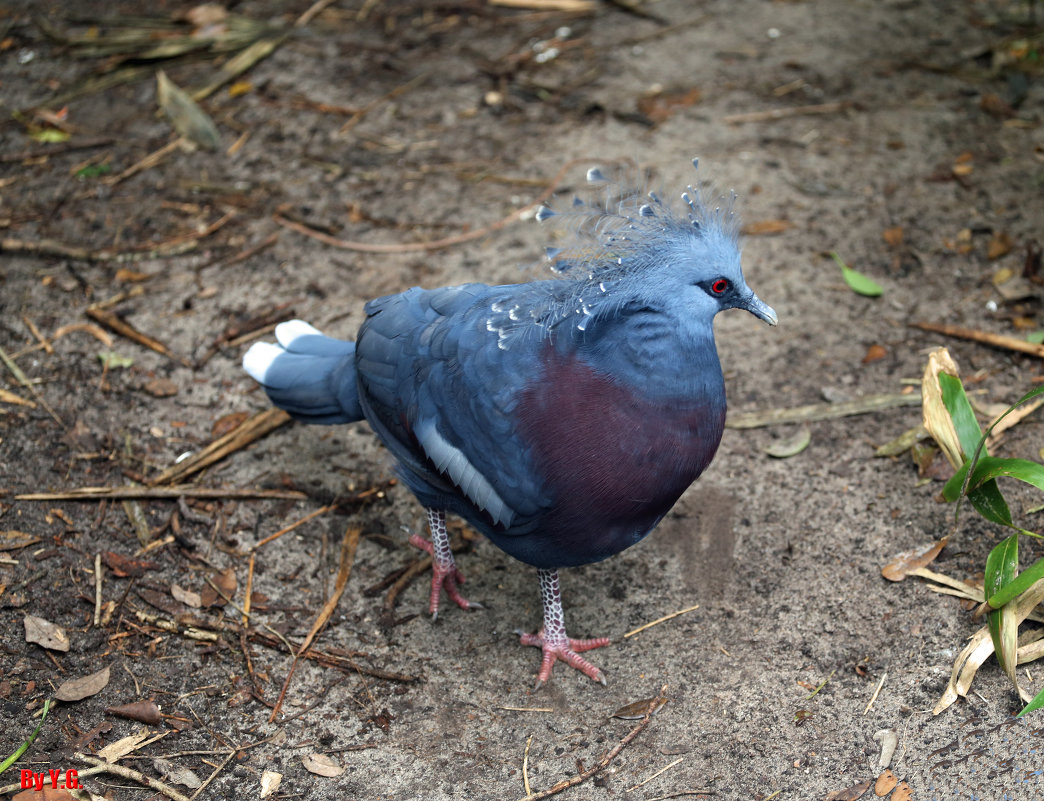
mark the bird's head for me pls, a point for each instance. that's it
(636, 249)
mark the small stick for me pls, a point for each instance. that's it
(985, 337)
(22, 379)
(315, 513)
(150, 160)
(661, 770)
(36, 333)
(525, 768)
(822, 411)
(348, 546)
(242, 435)
(246, 592)
(877, 691)
(217, 770)
(177, 491)
(97, 589)
(528, 708)
(604, 762)
(134, 776)
(632, 632)
(438, 244)
(120, 326)
(781, 113)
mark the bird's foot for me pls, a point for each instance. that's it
(444, 576)
(566, 649)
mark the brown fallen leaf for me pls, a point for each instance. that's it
(48, 793)
(885, 783)
(1000, 245)
(228, 423)
(83, 687)
(661, 105)
(903, 563)
(902, 793)
(893, 236)
(850, 793)
(144, 711)
(321, 765)
(225, 581)
(124, 566)
(161, 388)
(636, 710)
(766, 227)
(875, 353)
(12, 540)
(45, 633)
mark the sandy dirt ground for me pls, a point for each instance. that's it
(904, 135)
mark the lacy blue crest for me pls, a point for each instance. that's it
(626, 247)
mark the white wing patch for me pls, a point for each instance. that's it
(452, 462)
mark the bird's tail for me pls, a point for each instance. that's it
(309, 375)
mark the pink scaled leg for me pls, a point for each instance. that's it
(444, 572)
(552, 637)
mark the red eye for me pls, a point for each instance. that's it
(719, 286)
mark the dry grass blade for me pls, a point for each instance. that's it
(348, 547)
(663, 619)
(821, 411)
(119, 493)
(111, 320)
(247, 432)
(984, 337)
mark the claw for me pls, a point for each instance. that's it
(567, 651)
(444, 576)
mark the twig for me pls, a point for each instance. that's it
(150, 160)
(663, 619)
(135, 776)
(985, 337)
(287, 529)
(44, 152)
(877, 691)
(781, 113)
(217, 770)
(111, 320)
(661, 770)
(822, 411)
(604, 762)
(22, 379)
(178, 491)
(525, 768)
(437, 244)
(348, 546)
(97, 589)
(242, 435)
(357, 117)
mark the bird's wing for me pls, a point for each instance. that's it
(442, 393)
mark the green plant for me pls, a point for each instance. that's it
(1010, 594)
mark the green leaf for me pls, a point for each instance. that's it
(1014, 588)
(991, 467)
(113, 361)
(856, 281)
(1002, 565)
(1036, 337)
(989, 503)
(968, 431)
(1036, 703)
(25, 746)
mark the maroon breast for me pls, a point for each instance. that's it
(614, 459)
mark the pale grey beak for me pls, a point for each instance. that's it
(759, 308)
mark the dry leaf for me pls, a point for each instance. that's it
(125, 745)
(885, 783)
(1000, 245)
(903, 563)
(790, 446)
(321, 765)
(46, 794)
(84, 687)
(12, 540)
(161, 388)
(125, 276)
(270, 781)
(659, 106)
(766, 227)
(175, 774)
(141, 711)
(636, 710)
(45, 633)
(124, 566)
(935, 416)
(850, 793)
(902, 793)
(187, 597)
(875, 353)
(225, 581)
(188, 119)
(228, 423)
(893, 236)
